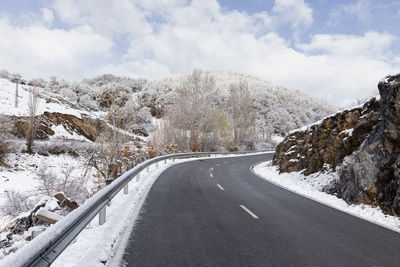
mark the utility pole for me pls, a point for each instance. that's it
(17, 78)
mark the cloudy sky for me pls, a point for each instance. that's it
(337, 50)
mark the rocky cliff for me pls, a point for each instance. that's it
(362, 144)
(372, 173)
(325, 144)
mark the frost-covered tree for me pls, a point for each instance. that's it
(242, 113)
(110, 144)
(112, 94)
(193, 102)
(137, 118)
(32, 124)
(4, 74)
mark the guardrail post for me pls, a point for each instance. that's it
(138, 177)
(102, 216)
(173, 159)
(147, 169)
(157, 164)
(126, 189)
(165, 162)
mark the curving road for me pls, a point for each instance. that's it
(216, 212)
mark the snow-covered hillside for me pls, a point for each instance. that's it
(63, 158)
(45, 103)
(88, 133)
(279, 109)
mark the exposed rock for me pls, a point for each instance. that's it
(65, 202)
(363, 144)
(86, 126)
(47, 216)
(47, 211)
(372, 173)
(325, 144)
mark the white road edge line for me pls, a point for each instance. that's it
(220, 187)
(249, 212)
(211, 175)
(320, 201)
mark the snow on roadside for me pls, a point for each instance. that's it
(22, 173)
(97, 245)
(311, 187)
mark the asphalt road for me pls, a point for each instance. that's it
(215, 212)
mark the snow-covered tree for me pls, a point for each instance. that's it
(32, 124)
(192, 104)
(242, 113)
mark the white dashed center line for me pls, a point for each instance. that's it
(220, 187)
(249, 212)
(212, 169)
(211, 175)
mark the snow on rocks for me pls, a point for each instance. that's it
(22, 175)
(21, 230)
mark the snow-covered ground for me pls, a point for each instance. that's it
(311, 187)
(7, 101)
(22, 174)
(97, 244)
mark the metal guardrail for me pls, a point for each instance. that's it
(44, 249)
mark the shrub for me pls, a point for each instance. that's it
(15, 203)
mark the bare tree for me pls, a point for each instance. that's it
(108, 153)
(47, 181)
(242, 112)
(32, 125)
(6, 125)
(74, 187)
(193, 102)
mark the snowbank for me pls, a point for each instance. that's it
(311, 186)
(97, 244)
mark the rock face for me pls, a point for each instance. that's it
(372, 173)
(325, 144)
(85, 126)
(363, 144)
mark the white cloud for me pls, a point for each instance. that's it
(361, 9)
(37, 51)
(335, 67)
(47, 15)
(177, 36)
(107, 17)
(295, 12)
(371, 44)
